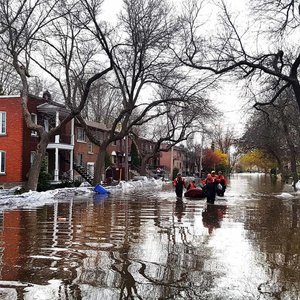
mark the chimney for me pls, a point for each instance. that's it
(47, 96)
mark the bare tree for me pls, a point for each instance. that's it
(140, 55)
(175, 126)
(9, 84)
(103, 103)
(48, 26)
(223, 138)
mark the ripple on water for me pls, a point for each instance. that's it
(100, 246)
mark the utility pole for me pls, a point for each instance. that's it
(201, 155)
(172, 164)
(126, 158)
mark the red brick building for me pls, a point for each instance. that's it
(67, 149)
(16, 141)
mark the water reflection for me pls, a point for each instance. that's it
(179, 209)
(212, 216)
(150, 245)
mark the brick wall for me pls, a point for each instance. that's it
(18, 142)
(12, 142)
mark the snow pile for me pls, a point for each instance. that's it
(285, 195)
(297, 186)
(8, 199)
(133, 185)
(29, 199)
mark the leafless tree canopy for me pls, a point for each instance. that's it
(266, 67)
(223, 137)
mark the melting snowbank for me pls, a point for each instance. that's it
(8, 199)
(297, 186)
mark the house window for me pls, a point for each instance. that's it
(46, 125)
(80, 160)
(90, 168)
(2, 162)
(90, 148)
(81, 135)
(2, 122)
(34, 120)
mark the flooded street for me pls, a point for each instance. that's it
(147, 245)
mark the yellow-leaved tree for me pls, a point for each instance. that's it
(256, 160)
(223, 164)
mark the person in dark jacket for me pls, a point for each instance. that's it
(179, 184)
(221, 179)
(210, 189)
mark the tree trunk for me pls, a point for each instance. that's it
(143, 166)
(34, 171)
(293, 154)
(296, 89)
(280, 166)
(99, 172)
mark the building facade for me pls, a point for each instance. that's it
(175, 158)
(66, 150)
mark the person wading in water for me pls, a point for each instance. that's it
(179, 184)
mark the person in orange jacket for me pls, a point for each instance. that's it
(179, 183)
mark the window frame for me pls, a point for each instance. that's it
(34, 120)
(2, 156)
(90, 148)
(3, 113)
(90, 166)
(79, 135)
(46, 125)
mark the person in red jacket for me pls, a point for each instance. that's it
(210, 189)
(214, 175)
(179, 184)
(192, 185)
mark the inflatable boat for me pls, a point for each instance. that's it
(194, 193)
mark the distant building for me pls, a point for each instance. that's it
(174, 158)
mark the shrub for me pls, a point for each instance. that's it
(44, 178)
(175, 172)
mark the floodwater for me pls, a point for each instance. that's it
(147, 245)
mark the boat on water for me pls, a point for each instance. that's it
(197, 193)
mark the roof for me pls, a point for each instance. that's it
(52, 108)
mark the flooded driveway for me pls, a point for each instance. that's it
(146, 245)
